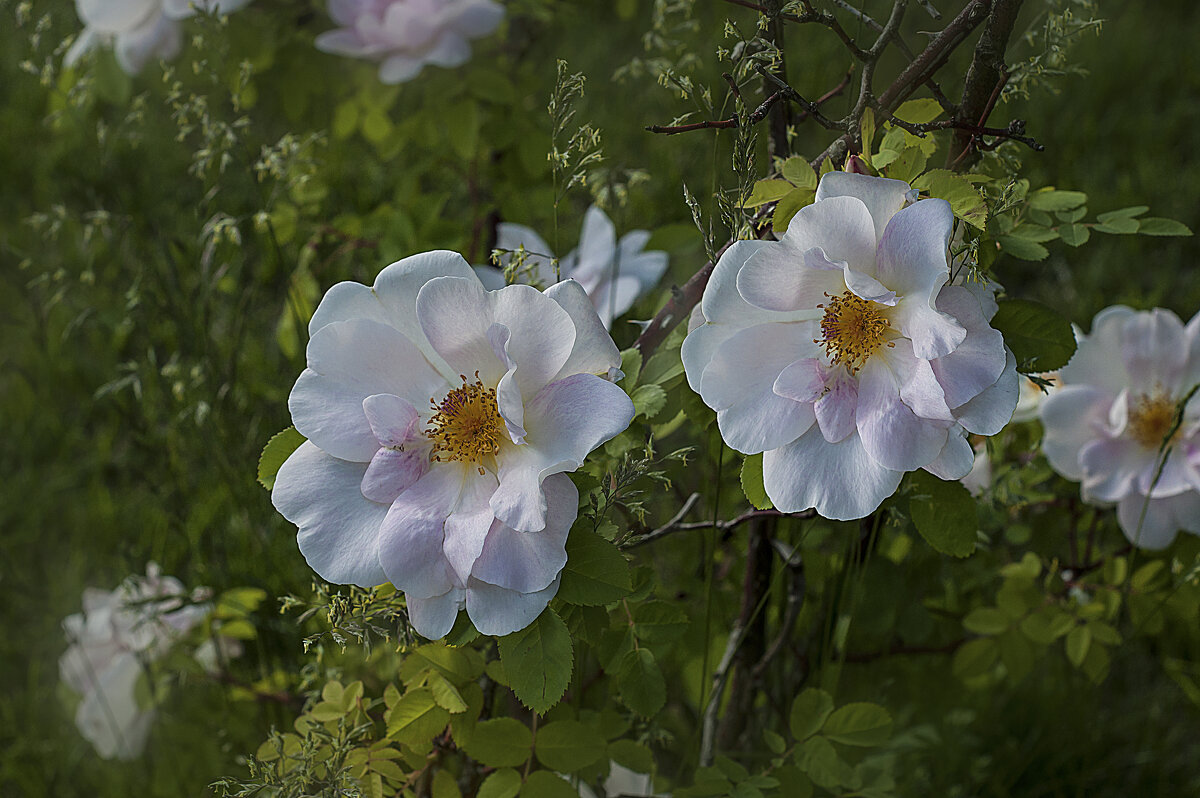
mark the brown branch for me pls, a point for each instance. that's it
(675, 525)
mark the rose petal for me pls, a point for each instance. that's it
(840, 480)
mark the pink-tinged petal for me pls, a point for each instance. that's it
(450, 51)
(1163, 518)
(392, 471)
(882, 196)
(891, 432)
(433, 618)
(511, 406)
(837, 410)
(933, 334)
(867, 287)
(491, 277)
(108, 16)
(913, 250)
(479, 18)
(1096, 361)
(542, 334)
(347, 43)
(393, 421)
(399, 69)
(594, 351)
(456, 318)
(1154, 348)
(412, 534)
(613, 297)
(841, 227)
(1175, 476)
(722, 304)
(1191, 369)
(977, 362)
(785, 280)
(1072, 416)
(802, 381)
(739, 385)
(348, 362)
(159, 38)
(597, 248)
(467, 526)
(647, 267)
(840, 480)
(919, 386)
(538, 255)
(1111, 466)
(529, 561)
(957, 459)
(978, 480)
(988, 412)
(499, 611)
(565, 421)
(339, 527)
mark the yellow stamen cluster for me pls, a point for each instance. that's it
(852, 330)
(466, 424)
(1150, 418)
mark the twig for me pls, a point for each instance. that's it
(708, 736)
(721, 526)
(871, 656)
(795, 601)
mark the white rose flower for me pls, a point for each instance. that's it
(1117, 403)
(139, 30)
(841, 353)
(117, 633)
(405, 35)
(441, 418)
(614, 274)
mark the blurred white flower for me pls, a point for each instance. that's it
(405, 35)
(613, 273)
(624, 783)
(1117, 404)
(979, 479)
(116, 635)
(441, 419)
(843, 355)
(139, 30)
(1031, 396)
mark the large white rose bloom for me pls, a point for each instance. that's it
(1117, 403)
(615, 274)
(116, 635)
(441, 418)
(843, 355)
(405, 35)
(139, 30)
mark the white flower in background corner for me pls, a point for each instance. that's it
(405, 35)
(1029, 401)
(613, 273)
(1117, 403)
(139, 30)
(441, 418)
(118, 632)
(841, 353)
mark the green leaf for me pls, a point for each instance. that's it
(1120, 226)
(278, 449)
(596, 572)
(446, 695)
(1046, 625)
(544, 784)
(1123, 213)
(975, 658)
(789, 206)
(822, 764)
(1035, 232)
(1022, 248)
(986, 621)
(568, 745)
(634, 756)
(537, 661)
(861, 723)
(1155, 226)
(416, 718)
(799, 173)
(659, 621)
(1048, 199)
(765, 191)
(944, 513)
(504, 783)
(1079, 640)
(965, 200)
(867, 132)
(752, 482)
(1017, 654)
(631, 367)
(444, 785)
(809, 712)
(1040, 338)
(1075, 235)
(500, 742)
(919, 111)
(648, 400)
(640, 682)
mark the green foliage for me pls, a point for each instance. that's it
(1041, 339)
(537, 661)
(944, 513)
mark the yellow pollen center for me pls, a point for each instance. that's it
(1150, 419)
(852, 330)
(466, 425)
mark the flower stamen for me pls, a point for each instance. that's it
(852, 330)
(466, 425)
(1150, 419)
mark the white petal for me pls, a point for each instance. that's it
(841, 227)
(1164, 517)
(977, 362)
(613, 297)
(594, 351)
(721, 302)
(530, 561)
(840, 480)
(1094, 361)
(339, 527)
(913, 250)
(1154, 349)
(393, 421)
(479, 18)
(392, 471)
(597, 248)
(896, 437)
(837, 410)
(542, 334)
(456, 318)
(565, 421)
(451, 50)
(1110, 467)
(538, 255)
(498, 611)
(988, 412)
(882, 196)
(115, 16)
(433, 618)
(1072, 416)
(412, 534)
(160, 38)
(785, 279)
(957, 459)
(400, 68)
(467, 526)
(491, 277)
(109, 716)
(348, 362)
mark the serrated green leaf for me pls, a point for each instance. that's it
(640, 682)
(537, 661)
(596, 572)
(1079, 640)
(1035, 232)
(1072, 215)
(809, 712)
(965, 200)
(1040, 338)
(659, 621)
(919, 111)
(631, 367)
(1121, 226)
(416, 718)
(446, 695)
(632, 755)
(1048, 199)
(443, 786)
(544, 784)
(944, 512)
(568, 745)
(504, 783)
(861, 723)
(1075, 235)
(752, 482)
(820, 761)
(500, 742)
(789, 205)
(765, 191)
(799, 173)
(1156, 226)
(278, 449)
(986, 621)
(775, 742)
(975, 658)
(1123, 213)
(1022, 248)
(648, 400)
